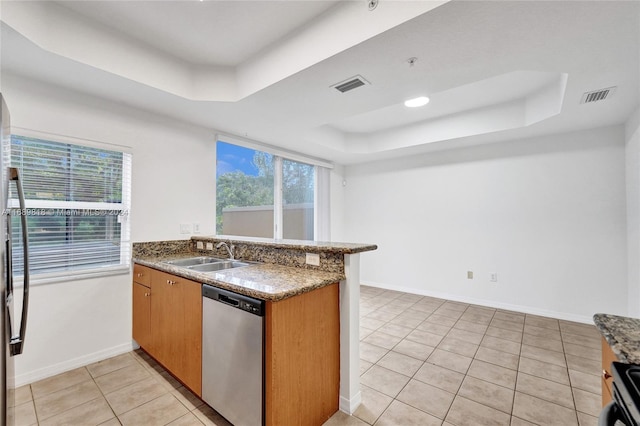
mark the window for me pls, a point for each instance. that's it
(262, 194)
(77, 204)
(297, 200)
(244, 191)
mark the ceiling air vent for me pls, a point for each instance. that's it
(597, 95)
(350, 84)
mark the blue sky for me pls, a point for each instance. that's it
(233, 157)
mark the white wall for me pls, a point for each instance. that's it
(632, 138)
(336, 202)
(546, 214)
(73, 323)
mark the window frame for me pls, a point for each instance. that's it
(124, 206)
(321, 231)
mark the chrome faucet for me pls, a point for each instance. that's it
(230, 248)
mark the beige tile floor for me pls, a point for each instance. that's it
(427, 361)
(129, 389)
(424, 361)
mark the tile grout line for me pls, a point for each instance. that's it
(573, 396)
(515, 385)
(38, 420)
(466, 374)
(104, 396)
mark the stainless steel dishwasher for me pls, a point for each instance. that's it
(232, 355)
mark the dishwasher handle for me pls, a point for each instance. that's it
(228, 300)
(235, 300)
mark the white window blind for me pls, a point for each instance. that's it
(77, 207)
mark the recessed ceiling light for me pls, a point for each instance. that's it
(416, 102)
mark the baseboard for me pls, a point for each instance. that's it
(349, 406)
(52, 370)
(484, 302)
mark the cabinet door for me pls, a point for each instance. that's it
(607, 380)
(142, 315)
(302, 358)
(176, 327)
(191, 335)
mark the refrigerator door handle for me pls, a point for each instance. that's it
(16, 342)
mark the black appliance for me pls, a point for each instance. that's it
(11, 330)
(624, 409)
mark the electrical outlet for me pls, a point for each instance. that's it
(209, 246)
(313, 259)
(185, 228)
(200, 245)
(196, 228)
(469, 275)
(493, 277)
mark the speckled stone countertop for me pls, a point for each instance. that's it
(261, 280)
(310, 246)
(622, 334)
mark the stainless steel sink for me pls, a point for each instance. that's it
(191, 261)
(218, 266)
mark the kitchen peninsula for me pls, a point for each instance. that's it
(311, 294)
(620, 342)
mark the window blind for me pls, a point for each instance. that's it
(77, 206)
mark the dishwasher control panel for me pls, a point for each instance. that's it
(249, 307)
(245, 303)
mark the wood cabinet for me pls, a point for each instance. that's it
(607, 380)
(167, 323)
(302, 344)
(176, 327)
(302, 358)
(142, 315)
(142, 275)
(142, 306)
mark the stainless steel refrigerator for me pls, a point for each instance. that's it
(13, 329)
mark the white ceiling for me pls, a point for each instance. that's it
(490, 91)
(203, 32)
(483, 63)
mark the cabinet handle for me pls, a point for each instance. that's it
(171, 282)
(147, 294)
(139, 275)
(606, 375)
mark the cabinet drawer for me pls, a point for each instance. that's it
(142, 275)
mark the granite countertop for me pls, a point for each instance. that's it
(311, 246)
(622, 334)
(260, 280)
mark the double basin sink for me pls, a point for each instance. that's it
(206, 263)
